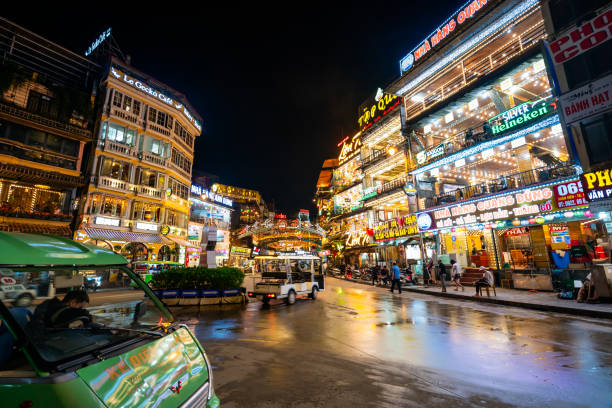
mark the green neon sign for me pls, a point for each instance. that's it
(521, 114)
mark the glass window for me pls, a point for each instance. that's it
(156, 147)
(598, 139)
(113, 206)
(71, 147)
(115, 169)
(136, 107)
(54, 143)
(117, 97)
(52, 334)
(36, 138)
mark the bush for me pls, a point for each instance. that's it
(198, 278)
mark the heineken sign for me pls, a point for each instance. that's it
(426, 155)
(527, 112)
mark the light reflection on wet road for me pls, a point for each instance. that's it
(361, 346)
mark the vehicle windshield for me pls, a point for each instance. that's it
(272, 265)
(68, 312)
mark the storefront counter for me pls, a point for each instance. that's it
(536, 281)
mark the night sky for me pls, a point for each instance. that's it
(278, 88)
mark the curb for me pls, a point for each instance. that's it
(534, 306)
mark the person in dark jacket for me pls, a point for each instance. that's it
(67, 313)
(442, 270)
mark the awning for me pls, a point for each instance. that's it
(62, 231)
(112, 235)
(182, 242)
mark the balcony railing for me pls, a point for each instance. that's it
(119, 148)
(114, 184)
(505, 183)
(148, 191)
(37, 155)
(128, 117)
(153, 158)
(389, 187)
(376, 156)
(24, 114)
(158, 129)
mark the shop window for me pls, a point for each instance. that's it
(115, 169)
(180, 131)
(113, 206)
(146, 177)
(27, 199)
(589, 66)
(145, 211)
(160, 118)
(565, 12)
(598, 139)
(117, 99)
(121, 134)
(175, 218)
(156, 147)
(42, 104)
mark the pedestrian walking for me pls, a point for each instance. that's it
(375, 274)
(456, 275)
(427, 272)
(486, 280)
(442, 271)
(396, 276)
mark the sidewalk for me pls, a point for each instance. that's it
(543, 301)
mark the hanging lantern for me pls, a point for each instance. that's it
(579, 213)
(540, 220)
(548, 217)
(516, 222)
(568, 214)
(532, 220)
(588, 213)
(525, 222)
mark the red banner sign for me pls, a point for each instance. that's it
(569, 195)
(574, 42)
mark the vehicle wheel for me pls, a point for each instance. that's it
(314, 293)
(265, 301)
(24, 300)
(291, 297)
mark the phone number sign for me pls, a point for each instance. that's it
(569, 195)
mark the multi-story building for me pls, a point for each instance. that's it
(249, 203)
(137, 202)
(495, 173)
(579, 52)
(46, 122)
(384, 155)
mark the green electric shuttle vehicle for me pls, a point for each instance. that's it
(122, 349)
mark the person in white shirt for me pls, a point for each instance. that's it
(486, 280)
(456, 275)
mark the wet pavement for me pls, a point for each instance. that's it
(359, 346)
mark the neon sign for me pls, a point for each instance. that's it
(156, 94)
(521, 114)
(529, 202)
(349, 148)
(99, 40)
(357, 238)
(208, 195)
(426, 155)
(459, 17)
(373, 112)
(469, 44)
(398, 228)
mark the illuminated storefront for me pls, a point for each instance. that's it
(536, 230)
(211, 212)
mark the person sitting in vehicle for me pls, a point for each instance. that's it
(66, 313)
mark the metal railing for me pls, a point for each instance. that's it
(505, 183)
(41, 120)
(376, 156)
(38, 156)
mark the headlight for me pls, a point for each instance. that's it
(210, 376)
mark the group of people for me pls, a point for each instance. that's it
(456, 272)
